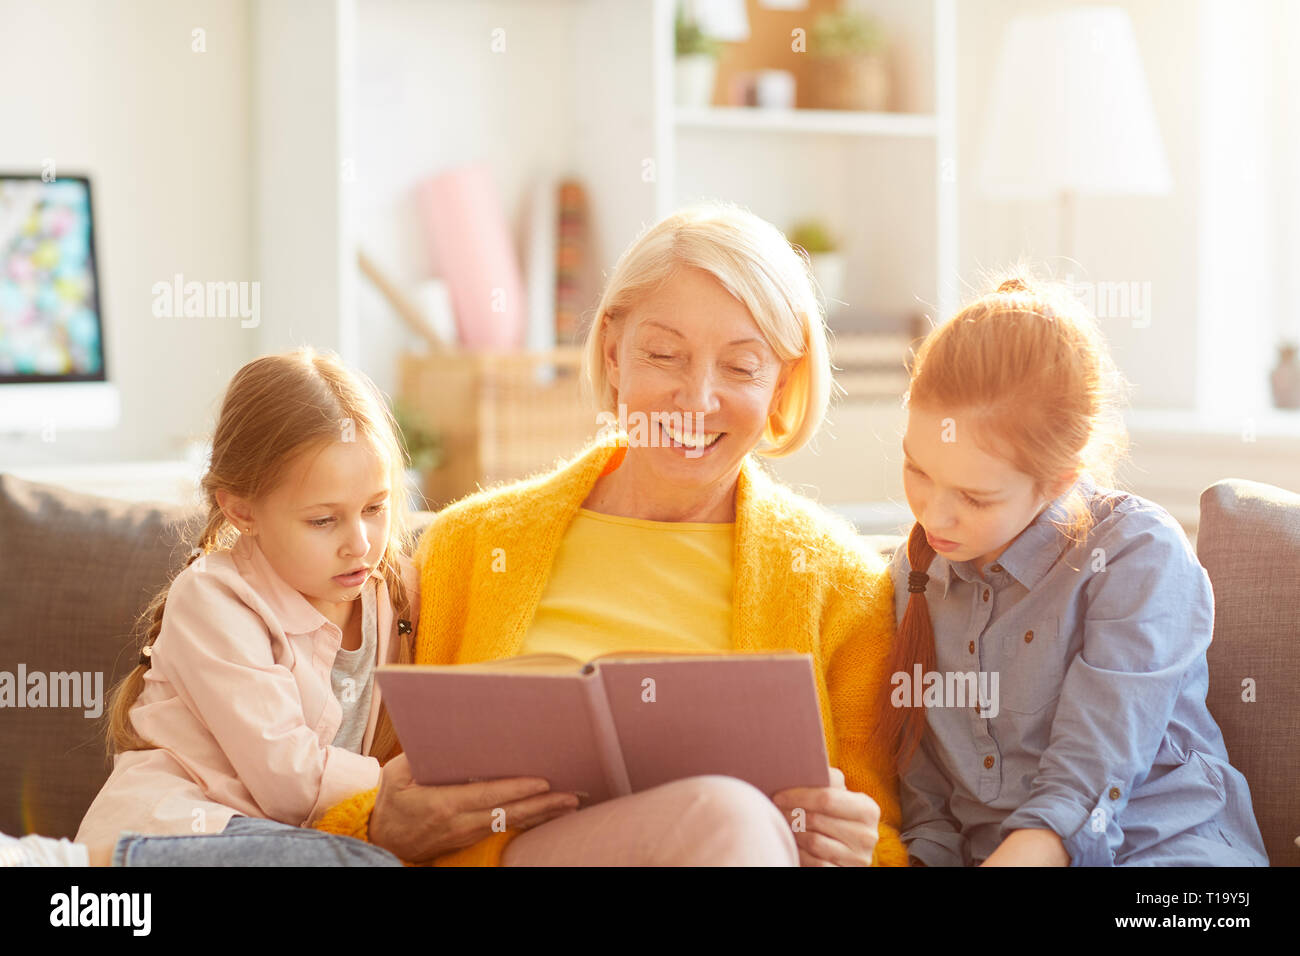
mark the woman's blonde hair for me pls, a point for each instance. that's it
(1030, 367)
(756, 264)
(276, 408)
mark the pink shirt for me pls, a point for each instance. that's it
(239, 702)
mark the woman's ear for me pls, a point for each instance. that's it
(782, 382)
(611, 341)
(777, 421)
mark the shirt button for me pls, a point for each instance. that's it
(996, 568)
(988, 762)
(1114, 793)
(986, 594)
(1029, 636)
(972, 647)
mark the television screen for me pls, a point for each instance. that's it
(50, 324)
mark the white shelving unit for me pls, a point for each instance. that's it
(885, 182)
(801, 121)
(583, 86)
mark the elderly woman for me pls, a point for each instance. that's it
(710, 344)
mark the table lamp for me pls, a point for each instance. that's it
(1070, 114)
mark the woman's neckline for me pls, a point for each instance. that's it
(650, 523)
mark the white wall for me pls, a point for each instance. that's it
(1250, 153)
(302, 78)
(115, 91)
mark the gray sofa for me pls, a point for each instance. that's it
(76, 569)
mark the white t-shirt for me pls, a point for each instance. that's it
(353, 677)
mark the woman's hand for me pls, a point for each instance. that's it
(839, 826)
(418, 823)
(1029, 848)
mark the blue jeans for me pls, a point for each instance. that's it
(250, 841)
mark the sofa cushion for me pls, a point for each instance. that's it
(75, 571)
(1249, 543)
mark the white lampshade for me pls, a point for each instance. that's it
(1070, 110)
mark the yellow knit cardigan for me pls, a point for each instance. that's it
(803, 581)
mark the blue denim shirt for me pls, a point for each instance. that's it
(1099, 729)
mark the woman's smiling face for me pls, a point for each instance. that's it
(970, 503)
(691, 353)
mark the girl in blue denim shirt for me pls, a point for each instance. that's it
(1049, 677)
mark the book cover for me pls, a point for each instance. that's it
(618, 724)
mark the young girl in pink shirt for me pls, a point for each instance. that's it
(253, 708)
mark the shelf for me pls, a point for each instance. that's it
(838, 122)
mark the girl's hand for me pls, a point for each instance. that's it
(418, 823)
(838, 824)
(1029, 848)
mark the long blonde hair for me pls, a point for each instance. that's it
(1029, 363)
(275, 408)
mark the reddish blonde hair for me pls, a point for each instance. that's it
(1028, 366)
(276, 408)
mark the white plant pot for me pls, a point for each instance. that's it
(828, 270)
(695, 74)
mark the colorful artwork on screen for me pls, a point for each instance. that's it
(49, 312)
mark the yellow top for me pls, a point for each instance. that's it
(802, 580)
(627, 584)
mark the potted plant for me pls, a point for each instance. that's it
(848, 68)
(813, 236)
(423, 444)
(696, 66)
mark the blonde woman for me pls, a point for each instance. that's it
(710, 348)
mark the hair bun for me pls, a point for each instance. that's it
(1013, 285)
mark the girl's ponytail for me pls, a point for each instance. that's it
(121, 734)
(902, 727)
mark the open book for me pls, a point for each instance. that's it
(618, 724)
